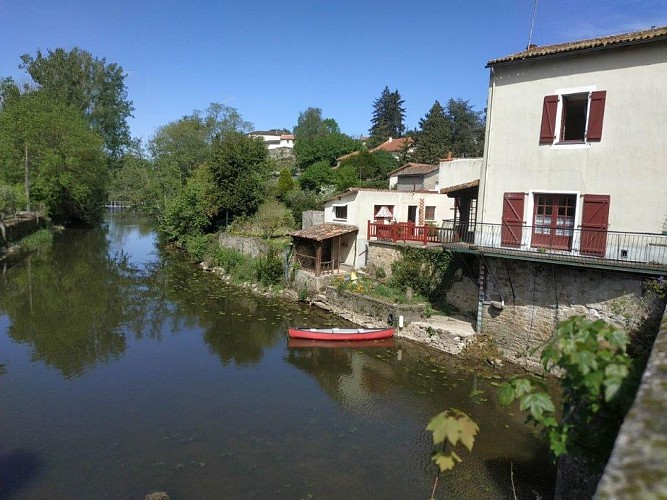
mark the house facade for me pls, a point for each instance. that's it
(576, 156)
(277, 142)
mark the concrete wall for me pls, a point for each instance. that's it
(637, 467)
(630, 161)
(537, 296)
(453, 172)
(247, 245)
(310, 218)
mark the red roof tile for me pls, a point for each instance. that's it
(394, 145)
(645, 36)
(414, 169)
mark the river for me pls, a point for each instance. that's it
(125, 369)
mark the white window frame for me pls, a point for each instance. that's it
(559, 116)
(335, 210)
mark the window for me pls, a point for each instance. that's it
(340, 212)
(429, 213)
(579, 115)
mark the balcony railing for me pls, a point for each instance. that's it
(642, 251)
(404, 231)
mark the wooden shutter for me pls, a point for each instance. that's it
(596, 115)
(594, 224)
(548, 127)
(512, 224)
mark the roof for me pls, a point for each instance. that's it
(460, 187)
(394, 145)
(287, 136)
(354, 190)
(324, 231)
(414, 169)
(604, 42)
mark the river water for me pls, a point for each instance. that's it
(125, 369)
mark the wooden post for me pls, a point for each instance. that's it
(318, 258)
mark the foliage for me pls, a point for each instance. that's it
(269, 269)
(427, 272)
(434, 138)
(598, 382)
(228, 259)
(323, 148)
(363, 167)
(90, 85)
(11, 198)
(451, 426)
(66, 158)
(467, 129)
(198, 245)
(285, 183)
(657, 286)
(181, 146)
(193, 210)
(316, 176)
(240, 169)
(39, 239)
(375, 288)
(299, 201)
(388, 116)
(272, 219)
(310, 124)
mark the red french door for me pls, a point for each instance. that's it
(553, 221)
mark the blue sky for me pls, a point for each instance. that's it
(272, 60)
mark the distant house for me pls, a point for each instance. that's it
(277, 142)
(414, 177)
(395, 147)
(576, 162)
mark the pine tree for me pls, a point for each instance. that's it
(434, 138)
(467, 128)
(388, 115)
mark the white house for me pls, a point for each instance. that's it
(277, 142)
(576, 155)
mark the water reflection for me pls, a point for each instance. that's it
(68, 303)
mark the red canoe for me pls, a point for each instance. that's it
(340, 333)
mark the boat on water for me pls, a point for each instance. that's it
(351, 344)
(340, 333)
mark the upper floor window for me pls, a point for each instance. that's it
(340, 212)
(572, 118)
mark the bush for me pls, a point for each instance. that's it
(228, 259)
(427, 272)
(269, 270)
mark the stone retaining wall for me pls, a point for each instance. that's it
(364, 310)
(12, 232)
(637, 467)
(526, 300)
(247, 245)
(382, 255)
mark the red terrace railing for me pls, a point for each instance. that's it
(403, 231)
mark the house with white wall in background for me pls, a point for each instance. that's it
(277, 142)
(411, 211)
(575, 164)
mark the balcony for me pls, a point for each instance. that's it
(404, 232)
(641, 252)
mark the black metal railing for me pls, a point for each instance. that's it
(608, 248)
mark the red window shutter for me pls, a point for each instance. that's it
(512, 224)
(548, 127)
(596, 115)
(594, 224)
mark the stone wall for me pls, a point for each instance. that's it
(526, 300)
(637, 467)
(247, 245)
(11, 232)
(311, 218)
(382, 255)
(363, 309)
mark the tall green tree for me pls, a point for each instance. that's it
(467, 128)
(92, 86)
(434, 137)
(388, 117)
(240, 167)
(320, 139)
(64, 158)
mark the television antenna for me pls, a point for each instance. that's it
(532, 24)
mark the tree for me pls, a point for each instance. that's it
(434, 138)
(285, 183)
(90, 85)
(65, 157)
(320, 139)
(316, 176)
(388, 116)
(467, 128)
(240, 168)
